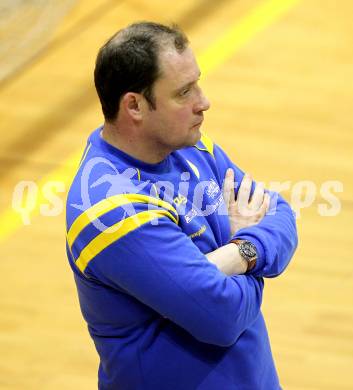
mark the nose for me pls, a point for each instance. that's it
(203, 104)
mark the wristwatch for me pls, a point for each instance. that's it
(248, 252)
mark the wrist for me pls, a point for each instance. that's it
(248, 253)
(242, 263)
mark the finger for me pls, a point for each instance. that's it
(268, 196)
(265, 205)
(232, 184)
(261, 212)
(227, 185)
(258, 197)
(244, 192)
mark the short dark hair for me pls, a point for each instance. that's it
(128, 62)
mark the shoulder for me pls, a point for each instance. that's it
(206, 156)
(205, 148)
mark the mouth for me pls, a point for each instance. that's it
(198, 124)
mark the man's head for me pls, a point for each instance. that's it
(129, 62)
(147, 75)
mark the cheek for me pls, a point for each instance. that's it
(175, 117)
(183, 116)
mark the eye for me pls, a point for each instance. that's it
(184, 92)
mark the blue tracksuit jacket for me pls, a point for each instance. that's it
(160, 314)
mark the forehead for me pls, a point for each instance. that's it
(177, 68)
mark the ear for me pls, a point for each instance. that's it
(131, 103)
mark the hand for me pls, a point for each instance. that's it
(241, 212)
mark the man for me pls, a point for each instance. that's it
(169, 270)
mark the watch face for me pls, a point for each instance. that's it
(248, 249)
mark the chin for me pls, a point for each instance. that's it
(196, 136)
(193, 138)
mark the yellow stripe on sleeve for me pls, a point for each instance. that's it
(114, 233)
(109, 204)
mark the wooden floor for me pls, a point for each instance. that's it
(281, 108)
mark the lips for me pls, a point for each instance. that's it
(198, 124)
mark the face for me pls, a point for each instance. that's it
(180, 103)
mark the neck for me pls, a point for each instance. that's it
(131, 143)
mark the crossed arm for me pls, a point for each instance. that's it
(246, 211)
(174, 278)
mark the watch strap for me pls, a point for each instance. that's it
(251, 261)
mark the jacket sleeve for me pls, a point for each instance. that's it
(275, 237)
(159, 265)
